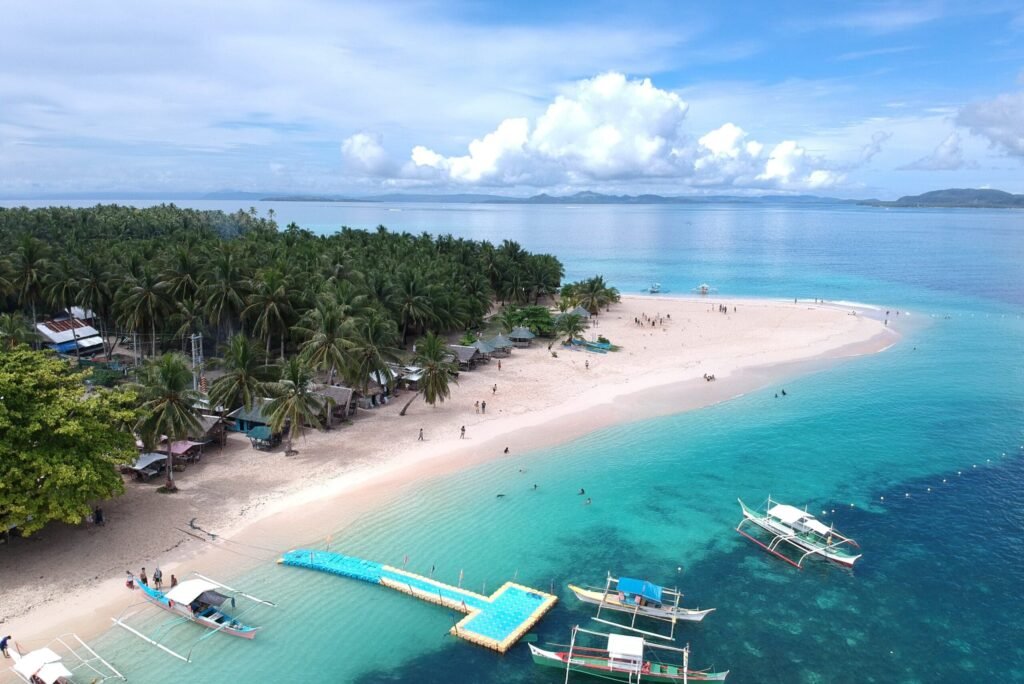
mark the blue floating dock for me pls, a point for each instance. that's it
(497, 621)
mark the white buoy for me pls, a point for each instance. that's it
(929, 489)
(974, 465)
(833, 510)
(881, 498)
(907, 494)
(943, 480)
(959, 472)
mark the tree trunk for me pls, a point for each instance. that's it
(282, 346)
(152, 331)
(169, 485)
(268, 345)
(406, 407)
(288, 449)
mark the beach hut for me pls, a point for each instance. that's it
(502, 345)
(465, 356)
(341, 400)
(67, 334)
(485, 349)
(521, 337)
(581, 312)
(244, 420)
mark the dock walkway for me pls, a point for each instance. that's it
(497, 621)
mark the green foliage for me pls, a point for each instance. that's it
(439, 371)
(168, 405)
(571, 326)
(59, 444)
(294, 404)
(15, 330)
(592, 294)
(245, 376)
(537, 319)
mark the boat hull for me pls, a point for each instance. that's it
(611, 602)
(600, 667)
(778, 529)
(237, 629)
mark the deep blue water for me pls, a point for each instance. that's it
(938, 593)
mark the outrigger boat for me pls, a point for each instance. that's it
(624, 659)
(199, 601)
(654, 288)
(801, 530)
(704, 289)
(47, 666)
(639, 598)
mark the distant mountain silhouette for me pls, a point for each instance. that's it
(584, 197)
(956, 197)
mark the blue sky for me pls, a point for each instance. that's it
(846, 99)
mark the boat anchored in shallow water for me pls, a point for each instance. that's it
(800, 530)
(639, 599)
(61, 661)
(202, 601)
(625, 659)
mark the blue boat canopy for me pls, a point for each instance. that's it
(261, 432)
(64, 347)
(643, 588)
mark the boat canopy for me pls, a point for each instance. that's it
(622, 647)
(638, 587)
(792, 515)
(44, 664)
(190, 590)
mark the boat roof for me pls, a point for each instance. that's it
(44, 664)
(189, 590)
(649, 591)
(148, 459)
(625, 647)
(791, 514)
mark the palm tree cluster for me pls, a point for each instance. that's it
(593, 294)
(162, 273)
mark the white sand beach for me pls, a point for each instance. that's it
(71, 577)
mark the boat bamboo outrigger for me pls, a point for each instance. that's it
(799, 529)
(48, 666)
(194, 600)
(624, 659)
(639, 599)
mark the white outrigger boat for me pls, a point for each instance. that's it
(801, 530)
(639, 598)
(625, 659)
(195, 600)
(47, 666)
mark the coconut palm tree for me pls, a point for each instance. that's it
(270, 305)
(326, 330)
(245, 376)
(95, 292)
(372, 349)
(410, 302)
(168, 405)
(29, 266)
(224, 289)
(433, 356)
(294, 403)
(572, 326)
(15, 330)
(142, 302)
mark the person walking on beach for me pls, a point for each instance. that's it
(158, 578)
(142, 577)
(462, 432)
(3, 645)
(587, 364)
(494, 390)
(483, 407)
(499, 364)
(420, 438)
(476, 406)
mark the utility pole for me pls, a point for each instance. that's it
(197, 358)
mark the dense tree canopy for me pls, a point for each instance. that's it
(59, 444)
(163, 273)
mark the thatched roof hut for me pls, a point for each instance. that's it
(466, 356)
(521, 336)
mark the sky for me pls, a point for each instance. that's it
(842, 99)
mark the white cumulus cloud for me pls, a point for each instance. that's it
(364, 152)
(1000, 120)
(947, 156)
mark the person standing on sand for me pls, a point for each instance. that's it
(142, 577)
(587, 364)
(476, 406)
(3, 645)
(499, 364)
(494, 390)
(420, 438)
(462, 432)
(483, 407)
(158, 578)
(174, 581)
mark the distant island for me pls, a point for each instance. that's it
(955, 198)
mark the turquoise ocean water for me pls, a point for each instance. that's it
(925, 425)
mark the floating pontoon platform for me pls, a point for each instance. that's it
(496, 622)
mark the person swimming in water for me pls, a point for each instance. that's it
(582, 491)
(587, 502)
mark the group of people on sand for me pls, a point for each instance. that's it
(643, 320)
(723, 309)
(709, 378)
(143, 578)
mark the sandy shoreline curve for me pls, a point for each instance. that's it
(68, 578)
